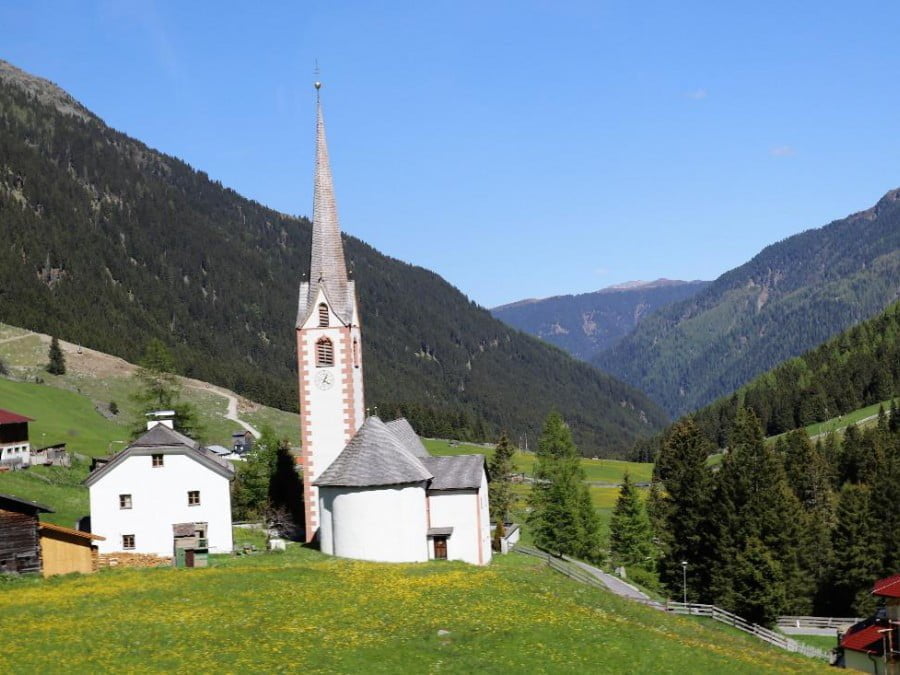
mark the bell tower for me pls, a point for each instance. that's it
(329, 341)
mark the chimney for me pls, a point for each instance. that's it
(164, 417)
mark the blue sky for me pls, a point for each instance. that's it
(519, 149)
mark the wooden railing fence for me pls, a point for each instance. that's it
(716, 613)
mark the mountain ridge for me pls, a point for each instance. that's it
(587, 323)
(111, 243)
(791, 296)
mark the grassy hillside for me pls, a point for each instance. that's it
(302, 611)
(792, 296)
(109, 243)
(589, 323)
(101, 379)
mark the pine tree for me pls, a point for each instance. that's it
(158, 389)
(57, 360)
(755, 502)
(500, 469)
(758, 587)
(630, 535)
(562, 517)
(687, 531)
(857, 554)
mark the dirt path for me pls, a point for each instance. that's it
(232, 411)
(16, 337)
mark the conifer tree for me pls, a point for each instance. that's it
(687, 532)
(562, 517)
(630, 535)
(755, 501)
(500, 469)
(158, 389)
(57, 360)
(857, 554)
(758, 585)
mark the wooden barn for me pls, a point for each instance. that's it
(64, 550)
(20, 543)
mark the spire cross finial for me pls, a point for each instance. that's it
(317, 84)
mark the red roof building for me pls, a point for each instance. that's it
(9, 417)
(15, 450)
(888, 588)
(873, 645)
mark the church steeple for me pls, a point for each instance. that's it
(327, 264)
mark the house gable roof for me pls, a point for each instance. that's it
(9, 417)
(455, 472)
(162, 440)
(888, 588)
(374, 457)
(402, 429)
(868, 640)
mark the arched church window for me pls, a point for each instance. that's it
(323, 315)
(324, 353)
(355, 353)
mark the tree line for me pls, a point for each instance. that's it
(793, 527)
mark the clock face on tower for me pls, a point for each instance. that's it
(324, 379)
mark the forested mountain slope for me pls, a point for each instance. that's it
(857, 368)
(109, 243)
(588, 323)
(792, 296)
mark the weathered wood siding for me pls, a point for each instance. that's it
(20, 546)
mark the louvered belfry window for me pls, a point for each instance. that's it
(324, 353)
(323, 315)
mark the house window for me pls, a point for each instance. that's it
(324, 353)
(127, 541)
(157, 461)
(440, 548)
(124, 501)
(323, 315)
(193, 497)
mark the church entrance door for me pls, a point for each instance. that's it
(440, 548)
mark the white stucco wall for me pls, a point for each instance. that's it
(159, 498)
(387, 524)
(19, 450)
(466, 511)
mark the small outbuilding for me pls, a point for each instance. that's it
(15, 450)
(64, 550)
(20, 545)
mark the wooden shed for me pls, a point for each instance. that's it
(20, 545)
(65, 550)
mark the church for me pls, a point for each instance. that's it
(372, 491)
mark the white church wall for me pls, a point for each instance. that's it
(484, 518)
(384, 524)
(159, 499)
(460, 509)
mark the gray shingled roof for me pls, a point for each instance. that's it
(166, 441)
(373, 457)
(404, 432)
(327, 264)
(459, 472)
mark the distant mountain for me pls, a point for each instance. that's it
(588, 323)
(109, 243)
(792, 296)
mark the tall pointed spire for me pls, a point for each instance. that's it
(327, 264)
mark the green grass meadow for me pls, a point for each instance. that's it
(301, 611)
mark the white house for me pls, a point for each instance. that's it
(161, 480)
(372, 490)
